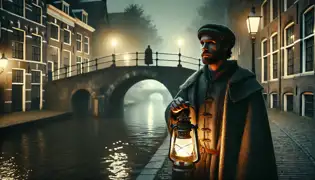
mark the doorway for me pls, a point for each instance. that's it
(17, 90)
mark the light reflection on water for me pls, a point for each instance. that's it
(85, 148)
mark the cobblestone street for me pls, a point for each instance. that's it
(294, 143)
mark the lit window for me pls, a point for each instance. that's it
(67, 36)
(54, 32)
(79, 42)
(79, 65)
(264, 61)
(308, 41)
(18, 44)
(289, 51)
(274, 57)
(36, 48)
(86, 45)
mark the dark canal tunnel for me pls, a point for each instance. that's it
(80, 102)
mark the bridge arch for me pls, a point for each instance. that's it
(117, 90)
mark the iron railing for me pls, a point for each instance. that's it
(123, 59)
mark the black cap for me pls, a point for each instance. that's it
(220, 31)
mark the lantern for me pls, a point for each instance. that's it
(253, 22)
(184, 151)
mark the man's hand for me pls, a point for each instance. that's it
(178, 104)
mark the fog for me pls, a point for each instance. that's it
(172, 18)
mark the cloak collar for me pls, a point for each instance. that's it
(242, 83)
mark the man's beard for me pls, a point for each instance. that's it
(208, 58)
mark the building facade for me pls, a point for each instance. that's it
(69, 39)
(23, 42)
(284, 48)
(42, 42)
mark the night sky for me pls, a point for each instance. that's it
(171, 18)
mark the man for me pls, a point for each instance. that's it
(233, 129)
(148, 56)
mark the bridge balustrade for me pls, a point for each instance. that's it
(125, 60)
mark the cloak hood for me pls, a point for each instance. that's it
(242, 82)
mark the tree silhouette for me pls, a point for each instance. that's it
(139, 28)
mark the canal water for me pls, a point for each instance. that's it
(85, 147)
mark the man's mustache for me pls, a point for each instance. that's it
(206, 54)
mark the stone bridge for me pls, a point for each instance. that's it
(106, 87)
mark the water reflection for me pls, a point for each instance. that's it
(117, 161)
(85, 148)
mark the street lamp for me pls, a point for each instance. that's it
(184, 151)
(114, 44)
(252, 25)
(180, 44)
(3, 63)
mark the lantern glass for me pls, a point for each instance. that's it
(184, 148)
(253, 24)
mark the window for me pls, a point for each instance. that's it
(84, 18)
(274, 57)
(264, 58)
(289, 51)
(53, 57)
(79, 65)
(35, 76)
(66, 62)
(18, 7)
(65, 7)
(67, 36)
(308, 104)
(17, 76)
(86, 45)
(288, 3)
(36, 48)
(37, 14)
(18, 44)
(54, 32)
(288, 102)
(274, 100)
(265, 13)
(79, 42)
(308, 41)
(274, 9)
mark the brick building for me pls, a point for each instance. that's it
(284, 48)
(23, 42)
(69, 39)
(38, 39)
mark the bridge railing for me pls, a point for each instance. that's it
(124, 59)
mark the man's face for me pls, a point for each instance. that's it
(210, 47)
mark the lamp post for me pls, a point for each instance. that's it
(252, 25)
(114, 44)
(184, 150)
(180, 44)
(3, 63)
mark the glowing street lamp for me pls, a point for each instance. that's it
(114, 44)
(180, 44)
(184, 151)
(3, 63)
(253, 25)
